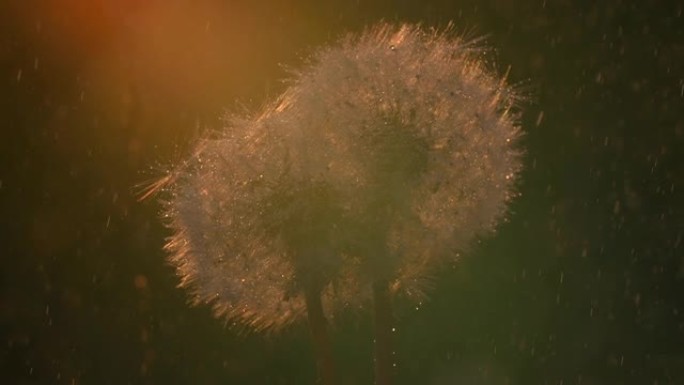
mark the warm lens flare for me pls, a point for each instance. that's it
(148, 71)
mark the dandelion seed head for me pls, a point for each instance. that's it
(421, 139)
(246, 232)
(388, 155)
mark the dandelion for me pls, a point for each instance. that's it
(252, 237)
(390, 152)
(418, 139)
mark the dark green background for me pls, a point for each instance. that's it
(584, 284)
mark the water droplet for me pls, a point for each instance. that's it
(540, 118)
(393, 47)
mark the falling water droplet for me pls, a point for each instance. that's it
(540, 118)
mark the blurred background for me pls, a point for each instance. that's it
(583, 285)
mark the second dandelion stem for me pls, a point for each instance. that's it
(382, 309)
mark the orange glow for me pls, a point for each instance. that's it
(138, 74)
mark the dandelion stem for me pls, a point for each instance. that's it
(319, 336)
(383, 332)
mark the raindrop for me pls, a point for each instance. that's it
(540, 118)
(599, 78)
(393, 48)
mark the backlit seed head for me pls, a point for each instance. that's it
(418, 136)
(388, 155)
